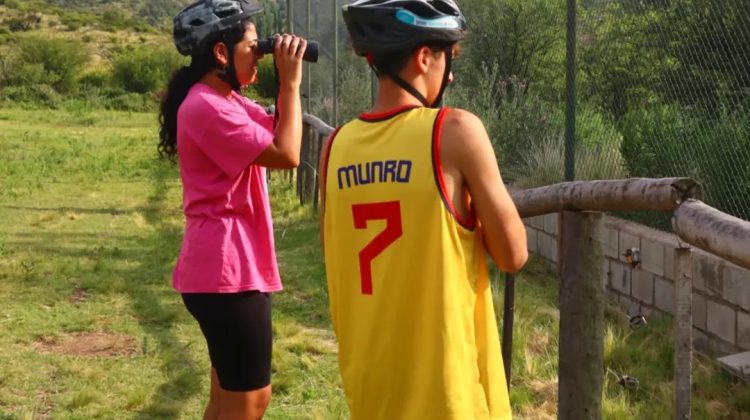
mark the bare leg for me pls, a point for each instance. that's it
(212, 410)
(248, 405)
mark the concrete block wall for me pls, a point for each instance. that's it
(721, 290)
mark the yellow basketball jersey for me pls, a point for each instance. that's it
(409, 293)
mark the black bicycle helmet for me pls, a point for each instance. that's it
(197, 23)
(383, 26)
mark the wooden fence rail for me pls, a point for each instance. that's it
(713, 231)
(663, 194)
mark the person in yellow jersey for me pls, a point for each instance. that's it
(412, 200)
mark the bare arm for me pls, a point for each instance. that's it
(284, 152)
(469, 160)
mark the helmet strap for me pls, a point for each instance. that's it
(407, 87)
(415, 93)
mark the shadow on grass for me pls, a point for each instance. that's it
(156, 317)
(137, 263)
(108, 210)
(305, 295)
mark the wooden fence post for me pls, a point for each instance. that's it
(321, 141)
(303, 169)
(581, 368)
(683, 332)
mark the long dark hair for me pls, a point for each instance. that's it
(183, 79)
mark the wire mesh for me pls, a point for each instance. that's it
(663, 88)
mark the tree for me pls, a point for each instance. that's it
(522, 39)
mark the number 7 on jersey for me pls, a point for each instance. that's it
(390, 211)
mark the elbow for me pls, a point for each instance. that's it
(291, 162)
(288, 161)
(515, 260)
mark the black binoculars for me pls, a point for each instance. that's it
(265, 46)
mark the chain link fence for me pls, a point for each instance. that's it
(663, 88)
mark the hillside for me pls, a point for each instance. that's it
(103, 26)
(138, 15)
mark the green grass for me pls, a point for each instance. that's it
(90, 226)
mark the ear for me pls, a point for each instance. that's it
(422, 57)
(221, 54)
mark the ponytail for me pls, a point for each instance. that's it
(177, 89)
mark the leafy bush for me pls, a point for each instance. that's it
(113, 19)
(135, 102)
(97, 79)
(75, 20)
(515, 120)
(528, 132)
(544, 163)
(145, 68)
(667, 140)
(54, 62)
(28, 22)
(38, 95)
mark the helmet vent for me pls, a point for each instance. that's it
(224, 13)
(196, 22)
(444, 8)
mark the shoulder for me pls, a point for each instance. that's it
(201, 100)
(462, 131)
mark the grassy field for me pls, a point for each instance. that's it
(90, 226)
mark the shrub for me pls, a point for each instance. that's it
(528, 132)
(97, 79)
(28, 22)
(544, 163)
(667, 140)
(55, 62)
(135, 102)
(516, 121)
(112, 20)
(32, 95)
(145, 68)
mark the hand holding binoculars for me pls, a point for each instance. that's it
(266, 46)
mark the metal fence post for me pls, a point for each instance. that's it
(335, 110)
(683, 332)
(308, 67)
(290, 16)
(570, 82)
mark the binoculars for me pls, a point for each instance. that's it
(265, 46)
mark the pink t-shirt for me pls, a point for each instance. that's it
(228, 245)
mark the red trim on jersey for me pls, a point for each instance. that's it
(329, 144)
(387, 114)
(437, 166)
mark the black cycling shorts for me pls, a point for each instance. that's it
(237, 328)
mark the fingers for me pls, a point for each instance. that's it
(290, 46)
(301, 47)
